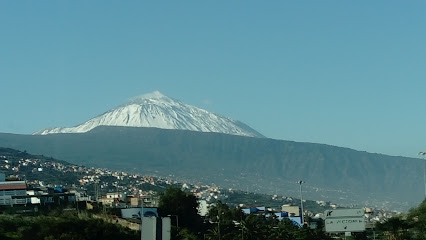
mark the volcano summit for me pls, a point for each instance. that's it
(160, 111)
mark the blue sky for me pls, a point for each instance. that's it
(345, 73)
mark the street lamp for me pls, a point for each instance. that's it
(424, 172)
(301, 200)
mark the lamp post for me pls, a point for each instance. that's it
(424, 172)
(301, 201)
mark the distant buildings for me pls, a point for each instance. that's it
(12, 191)
(290, 212)
(105, 188)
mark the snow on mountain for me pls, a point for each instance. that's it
(157, 110)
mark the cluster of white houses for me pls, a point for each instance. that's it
(17, 193)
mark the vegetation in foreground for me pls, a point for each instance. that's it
(221, 220)
(225, 223)
(62, 227)
(232, 223)
(406, 226)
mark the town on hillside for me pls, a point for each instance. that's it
(37, 184)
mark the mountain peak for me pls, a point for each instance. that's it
(156, 95)
(160, 111)
(148, 96)
(152, 95)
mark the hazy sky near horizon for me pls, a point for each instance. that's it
(344, 73)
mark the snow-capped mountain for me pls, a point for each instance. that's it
(159, 111)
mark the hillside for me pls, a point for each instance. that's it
(14, 163)
(22, 165)
(39, 170)
(258, 164)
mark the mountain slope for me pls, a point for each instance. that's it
(159, 111)
(263, 165)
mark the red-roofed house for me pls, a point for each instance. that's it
(10, 189)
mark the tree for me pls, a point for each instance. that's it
(232, 223)
(175, 202)
(416, 219)
(396, 228)
(224, 221)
